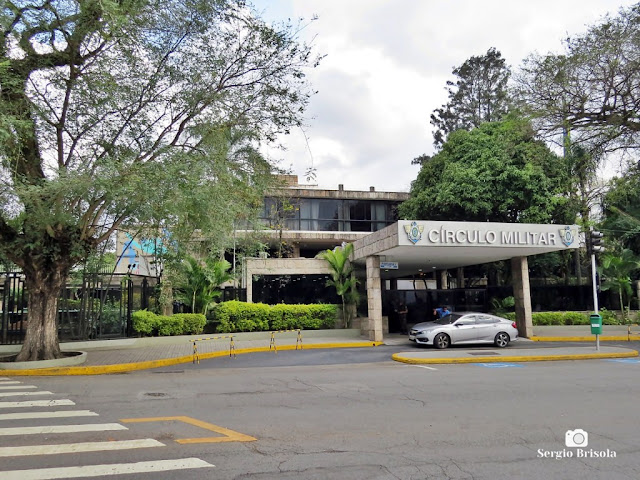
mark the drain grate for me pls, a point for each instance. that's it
(155, 394)
(483, 353)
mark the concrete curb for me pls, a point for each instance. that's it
(515, 358)
(130, 367)
(592, 338)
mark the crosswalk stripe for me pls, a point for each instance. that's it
(59, 414)
(103, 470)
(18, 394)
(37, 403)
(94, 427)
(16, 387)
(31, 450)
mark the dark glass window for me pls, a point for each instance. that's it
(319, 214)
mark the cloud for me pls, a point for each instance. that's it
(386, 69)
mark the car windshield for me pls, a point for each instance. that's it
(452, 317)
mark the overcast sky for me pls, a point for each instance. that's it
(385, 71)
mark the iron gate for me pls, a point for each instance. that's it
(91, 305)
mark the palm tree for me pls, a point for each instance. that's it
(200, 286)
(616, 270)
(341, 277)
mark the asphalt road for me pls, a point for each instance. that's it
(354, 414)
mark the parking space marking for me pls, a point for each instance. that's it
(499, 365)
(424, 366)
(624, 360)
(227, 435)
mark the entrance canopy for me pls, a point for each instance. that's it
(434, 245)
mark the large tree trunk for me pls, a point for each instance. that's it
(41, 339)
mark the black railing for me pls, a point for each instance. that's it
(91, 305)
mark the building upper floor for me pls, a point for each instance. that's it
(298, 207)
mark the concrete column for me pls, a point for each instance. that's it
(522, 295)
(444, 281)
(374, 299)
(248, 282)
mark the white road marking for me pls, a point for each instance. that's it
(60, 414)
(94, 427)
(16, 387)
(37, 403)
(77, 448)
(4, 378)
(10, 382)
(424, 366)
(17, 394)
(103, 470)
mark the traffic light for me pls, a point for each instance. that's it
(596, 241)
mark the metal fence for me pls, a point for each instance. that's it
(91, 305)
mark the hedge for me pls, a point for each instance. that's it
(568, 318)
(149, 324)
(234, 316)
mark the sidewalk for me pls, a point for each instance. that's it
(123, 355)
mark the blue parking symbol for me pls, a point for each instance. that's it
(624, 360)
(499, 365)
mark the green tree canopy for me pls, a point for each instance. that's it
(621, 209)
(590, 90)
(497, 172)
(112, 114)
(478, 95)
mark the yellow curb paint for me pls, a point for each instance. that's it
(227, 435)
(531, 358)
(130, 367)
(607, 338)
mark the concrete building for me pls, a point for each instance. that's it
(305, 220)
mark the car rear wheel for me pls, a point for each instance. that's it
(502, 339)
(442, 340)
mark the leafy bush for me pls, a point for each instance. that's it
(148, 323)
(193, 323)
(609, 317)
(234, 316)
(145, 322)
(170, 325)
(572, 318)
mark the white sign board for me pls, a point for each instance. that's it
(389, 265)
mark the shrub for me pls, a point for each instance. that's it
(170, 325)
(237, 316)
(609, 317)
(145, 322)
(193, 323)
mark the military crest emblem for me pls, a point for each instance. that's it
(414, 232)
(567, 235)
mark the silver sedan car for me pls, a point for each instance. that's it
(465, 327)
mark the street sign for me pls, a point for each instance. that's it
(389, 265)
